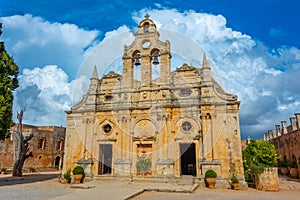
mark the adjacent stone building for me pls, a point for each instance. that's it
(47, 147)
(286, 139)
(181, 123)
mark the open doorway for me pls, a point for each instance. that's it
(188, 159)
(105, 159)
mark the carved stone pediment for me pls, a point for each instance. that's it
(185, 67)
(112, 74)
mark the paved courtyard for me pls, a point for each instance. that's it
(45, 186)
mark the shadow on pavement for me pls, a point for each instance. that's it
(27, 178)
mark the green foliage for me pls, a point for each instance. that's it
(8, 83)
(143, 165)
(31, 168)
(234, 178)
(67, 175)
(257, 156)
(78, 170)
(210, 174)
(283, 163)
(3, 169)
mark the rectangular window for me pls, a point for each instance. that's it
(42, 143)
(59, 145)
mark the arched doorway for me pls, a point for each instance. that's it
(57, 162)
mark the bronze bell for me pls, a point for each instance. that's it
(137, 61)
(155, 55)
(155, 60)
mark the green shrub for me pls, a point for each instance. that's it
(67, 175)
(234, 179)
(78, 170)
(257, 156)
(143, 165)
(31, 169)
(210, 174)
(3, 169)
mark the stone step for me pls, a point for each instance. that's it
(186, 180)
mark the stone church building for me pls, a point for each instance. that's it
(181, 123)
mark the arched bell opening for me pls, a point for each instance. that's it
(155, 62)
(137, 63)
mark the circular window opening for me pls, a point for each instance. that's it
(108, 97)
(186, 126)
(146, 44)
(107, 128)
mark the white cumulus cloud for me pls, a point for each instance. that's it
(46, 93)
(266, 80)
(35, 42)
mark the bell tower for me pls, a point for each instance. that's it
(147, 52)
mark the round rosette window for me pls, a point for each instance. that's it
(186, 126)
(107, 128)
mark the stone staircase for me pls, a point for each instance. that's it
(186, 180)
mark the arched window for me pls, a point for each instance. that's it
(155, 60)
(146, 26)
(137, 61)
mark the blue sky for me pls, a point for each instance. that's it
(253, 47)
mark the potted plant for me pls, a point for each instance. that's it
(294, 170)
(66, 177)
(284, 166)
(210, 178)
(78, 172)
(235, 182)
(3, 170)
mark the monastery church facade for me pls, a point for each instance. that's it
(181, 123)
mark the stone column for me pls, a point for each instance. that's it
(278, 130)
(270, 134)
(284, 128)
(203, 121)
(212, 119)
(146, 75)
(293, 123)
(298, 120)
(165, 68)
(127, 72)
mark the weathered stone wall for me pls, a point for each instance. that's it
(6, 153)
(42, 157)
(155, 119)
(268, 180)
(286, 139)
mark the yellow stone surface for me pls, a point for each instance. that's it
(183, 121)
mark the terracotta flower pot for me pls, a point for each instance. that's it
(210, 182)
(77, 178)
(284, 170)
(235, 186)
(294, 173)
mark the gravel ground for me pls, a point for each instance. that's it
(45, 186)
(32, 187)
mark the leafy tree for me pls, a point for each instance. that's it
(8, 83)
(257, 156)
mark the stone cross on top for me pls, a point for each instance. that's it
(147, 16)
